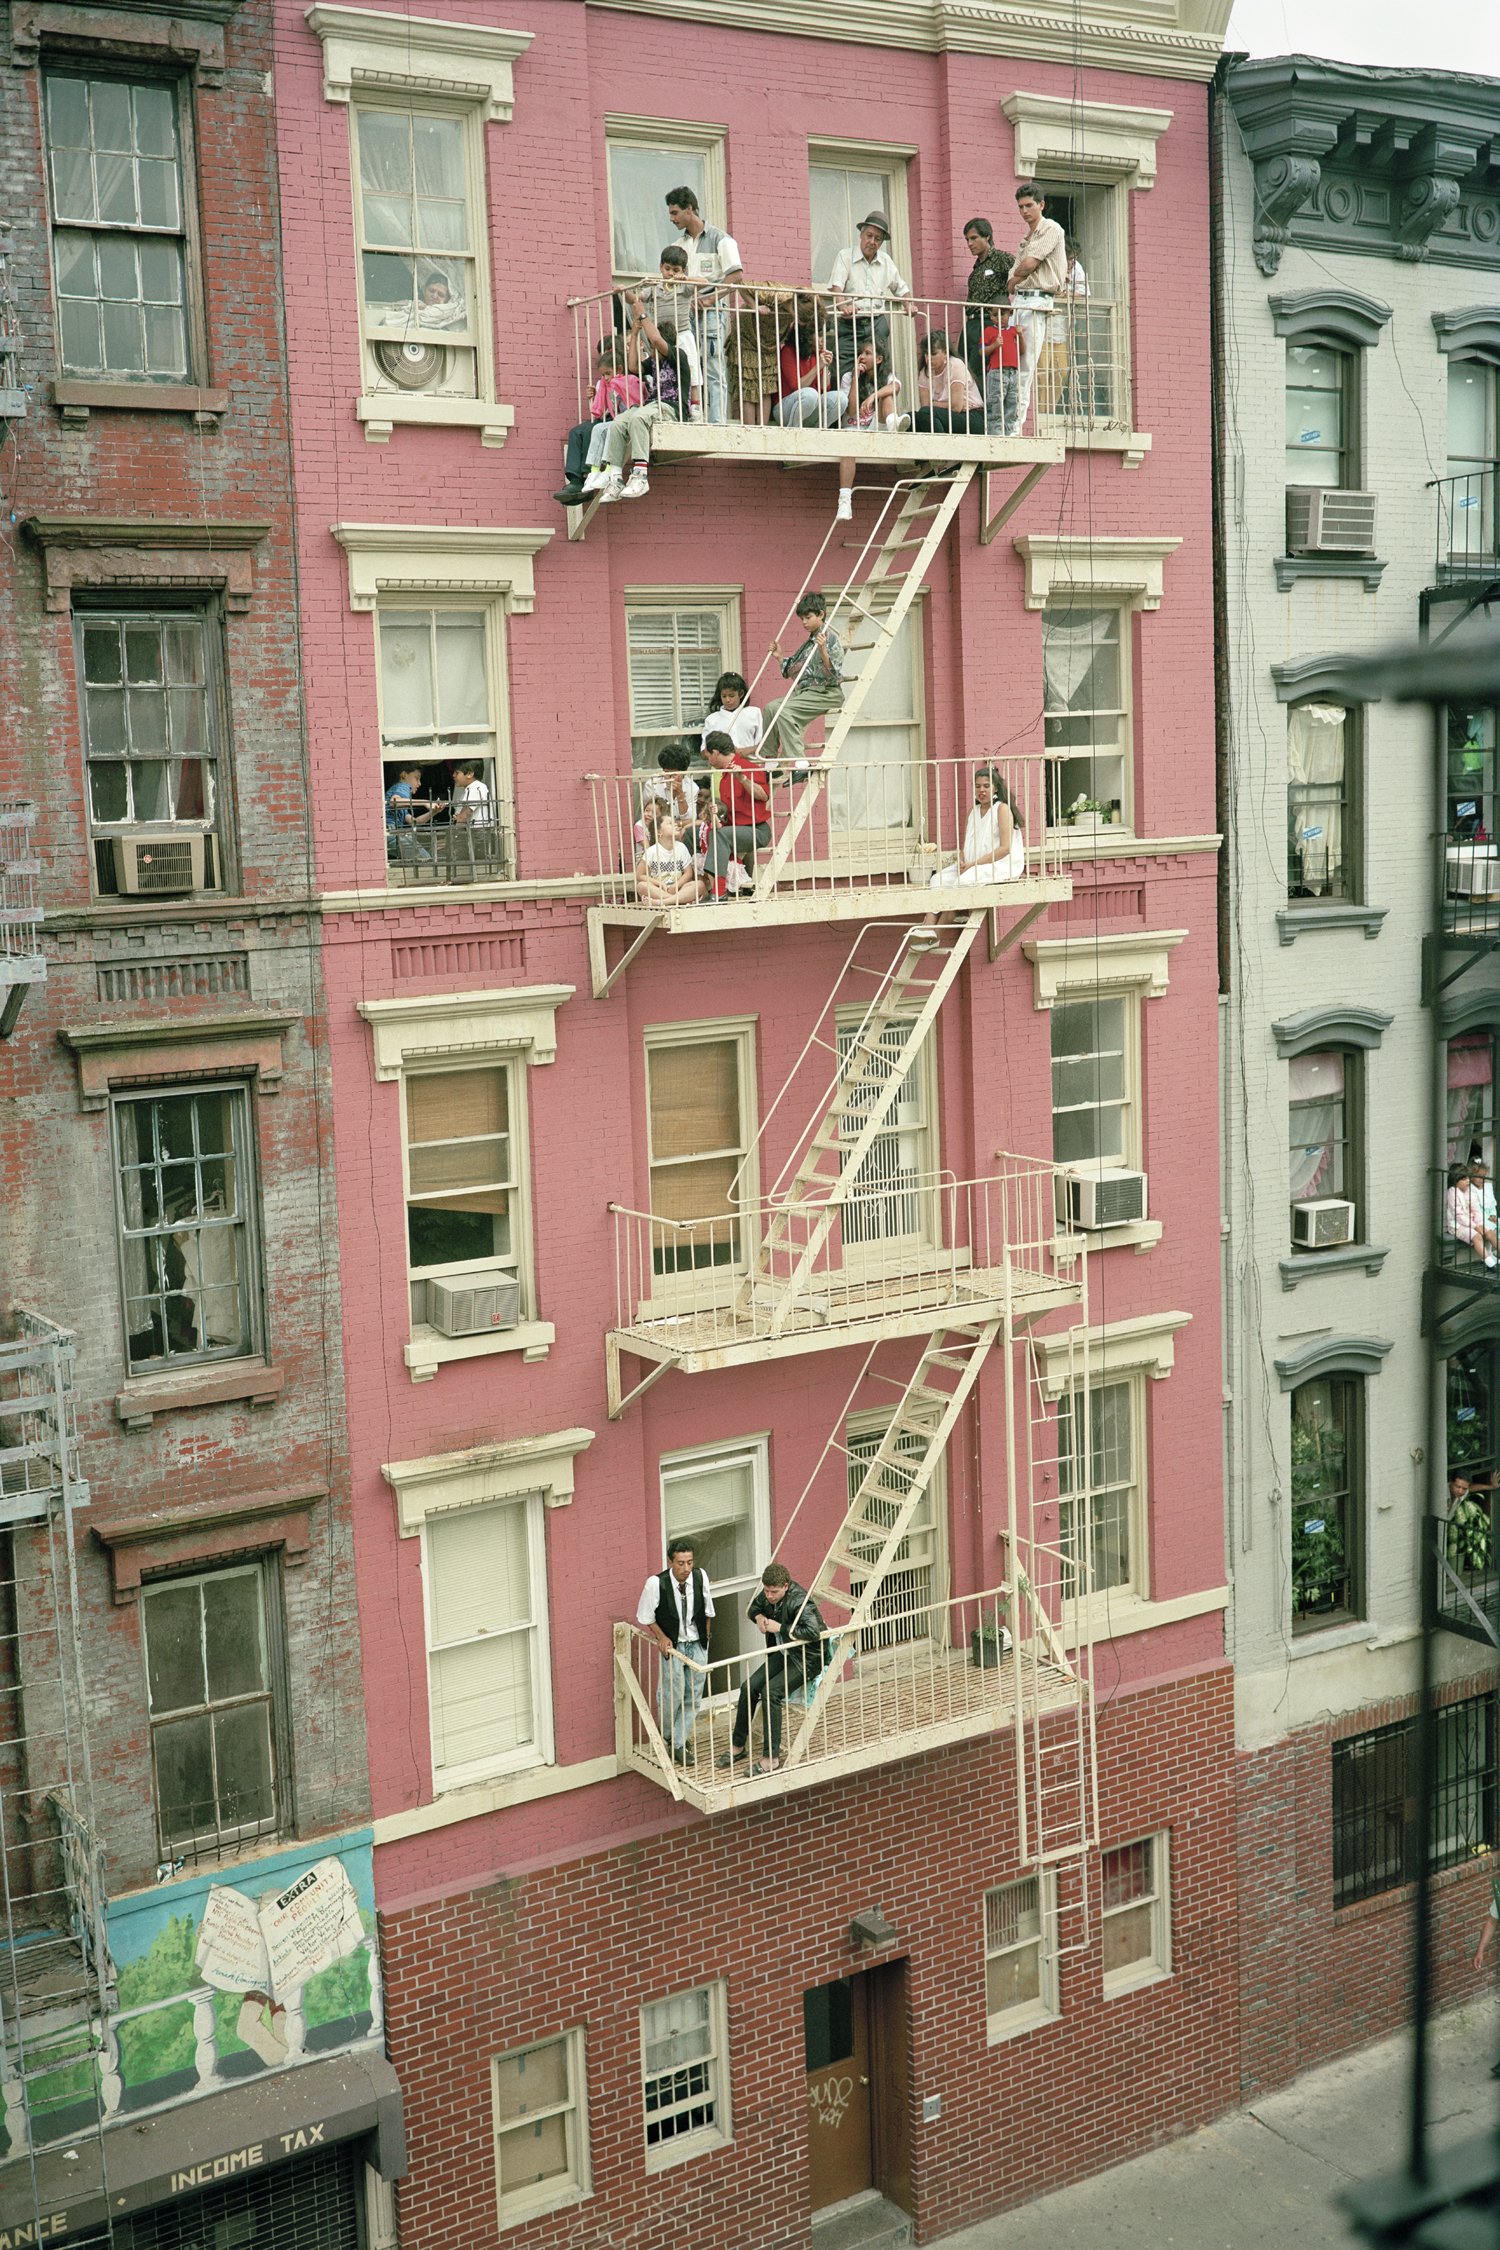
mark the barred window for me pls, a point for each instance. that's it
(684, 2075)
(1375, 1842)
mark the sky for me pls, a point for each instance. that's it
(1396, 34)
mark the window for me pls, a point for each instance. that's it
(872, 792)
(646, 157)
(1135, 1914)
(914, 1582)
(699, 1109)
(1097, 1452)
(674, 655)
(483, 1569)
(720, 1499)
(1319, 740)
(1086, 697)
(423, 313)
(115, 159)
(1473, 460)
(438, 673)
(212, 1674)
(1322, 1121)
(462, 1162)
(1083, 367)
(685, 2079)
(1375, 1844)
(893, 1197)
(1471, 1098)
(1020, 1955)
(151, 720)
(539, 2096)
(1093, 1075)
(1473, 1396)
(186, 1196)
(843, 184)
(1327, 1503)
(1472, 813)
(1321, 417)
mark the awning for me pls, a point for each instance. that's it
(179, 2152)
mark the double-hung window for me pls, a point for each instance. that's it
(152, 718)
(423, 315)
(1327, 1417)
(464, 1216)
(684, 2076)
(213, 1676)
(1021, 1980)
(646, 158)
(1473, 463)
(903, 1608)
(539, 2098)
(1099, 1499)
(117, 165)
(186, 1201)
(1319, 801)
(484, 1573)
(699, 1121)
(1135, 1913)
(1086, 712)
(675, 651)
(894, 1193)
(1323, 1117)
(1321, 416)
(1094, 1119)
(447, 801)
(719, 1497)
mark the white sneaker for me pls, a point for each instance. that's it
(612, 487)
(596, 480)
(896, 423)
(845, 510)
(637, 486)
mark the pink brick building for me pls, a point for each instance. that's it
(794, 1224)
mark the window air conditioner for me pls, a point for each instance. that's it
(1321, 521)
(422, 367)
(472, 1308)
(1105, 1198)
(1324, 1224)
(158, 861)
(1473, 871)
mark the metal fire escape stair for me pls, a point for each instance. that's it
(870, 1073)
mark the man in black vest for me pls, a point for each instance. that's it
(675, 1607)
(793, 1628)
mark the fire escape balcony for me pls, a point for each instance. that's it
(1464, 1584)
(1468, 525)
(22, 963)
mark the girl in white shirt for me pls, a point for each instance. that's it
(664, 872)
(730, 712)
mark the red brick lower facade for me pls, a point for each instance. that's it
(1317, 1980)
(763, 1900)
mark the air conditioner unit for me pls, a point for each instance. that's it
(159, 861)
(1473, 871)
(1322, 521)
(422, 367)
(472, 1308)
(1105, 1198)
(1324, 1224)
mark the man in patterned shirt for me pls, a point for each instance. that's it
(816, 672)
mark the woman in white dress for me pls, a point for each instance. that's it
(994, 849)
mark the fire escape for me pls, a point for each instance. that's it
(21, 962)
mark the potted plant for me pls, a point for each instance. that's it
(1470, 1540)
(1088, 812)
(987, 1644)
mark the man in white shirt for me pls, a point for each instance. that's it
(713, 258)
(864, 280)
(471, 822)
(1038, 274)
(676, 1608)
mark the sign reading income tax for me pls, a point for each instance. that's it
(274, 1944)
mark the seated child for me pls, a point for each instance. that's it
(664, 874)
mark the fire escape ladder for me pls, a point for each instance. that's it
(870, 1074)
(869, 1541)
(867, 615)
(22, 963)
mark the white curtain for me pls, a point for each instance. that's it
(1317, 1111)
(1315, 741)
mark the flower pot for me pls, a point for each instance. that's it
(984, 1651)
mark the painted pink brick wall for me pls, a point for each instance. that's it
(754, 528)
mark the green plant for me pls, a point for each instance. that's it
(1470, 1539)
(1082, 806)
(1320, 1560)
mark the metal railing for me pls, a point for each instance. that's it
(1468, 520)
(1074, 348)
(39, 1459)
(872, 824)
(1466, 1590)
(1466, 1232)
(1471, 886)
(450, 854)
(913, 1242)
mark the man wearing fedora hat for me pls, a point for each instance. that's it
(864, 280)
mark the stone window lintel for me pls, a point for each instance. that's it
(484, 1473)
(206, 1531)
(112, 1055)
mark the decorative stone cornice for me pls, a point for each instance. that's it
(1473, 331)
(1342, 314)
(383, 47)
(1341, 1025)
(439, 558)
(187, 29)
(483, 1473)
(1282, 185)
(1053, 134)
(1314, 675)
(1332, 1355)
(1081, 568)
(465, 1023)
(143, 551)
(1060, 966)
(1145, 1345)
(164, 1048)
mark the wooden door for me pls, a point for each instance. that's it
(836, 2035)
(890, 2074)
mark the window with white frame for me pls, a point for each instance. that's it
(418, 202)
(719, 1497)
(118, 168)
(447, 799)
(647, 157)
(700, 1112)
(152, 728)
(1021, 1981)
(1135, 1913)
(539, 2101)
(484, 1578)
(903, 1606)
(1321, 809)
(465, 1221)
(187, 1213)
(1100, 1526)
(1468, 499)
(1086, 711)
(873, 788)
(1083, 365)
(215, 1686)
(845, 181)
(1095, 1121)
(675, 650)
(893, 1196)
(684, 2076)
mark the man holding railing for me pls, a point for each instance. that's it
(865, 279)
(793, 1628)
(713, 257)
(675, 1607)
(816, 671)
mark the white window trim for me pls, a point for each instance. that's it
(542, 1751)
(470, 1029)
(873, 1422)
(707, 141)
(682, 1289)
(1141, 1232)
(439, 1482)
(497, 677)
(1013, 2023)
(1088, 571)
(1086, 966)
(727, 600)
(1109, 600)
(895, 157)
(693, 1458)
(430, 559)
(1159, 1964)
(716, 2136)
(882, 1255)
(463, 67)
(1101, 140)
(1143, 1346)
(530, 2203)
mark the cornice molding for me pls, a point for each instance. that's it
(173, 1047)
(1104, 565)
(1296, 682)
(380, 47)
(977, 27)
(1063, 965)
(1332, 1355)
(1342, 1024)
(140, 551)
(483, 1473)
(205, 1529)
(1145, 1345)
(440, 558)
(188, 28)
(469, 1023)
(1101, 139)
(1473, 332)
(1340, 313)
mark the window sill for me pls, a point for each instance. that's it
(1113, 1617)
(147, 1396)
(998, 2032)
(1135, 1980)
(683, 2151)
(1134, 1234)
(75, 400)
(1317, 1640)
(1131, 445)
(1108, 839)
(1297, 921)
(382, 412)
(1289, 568)
(428, 1351)
(1310, 1262)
